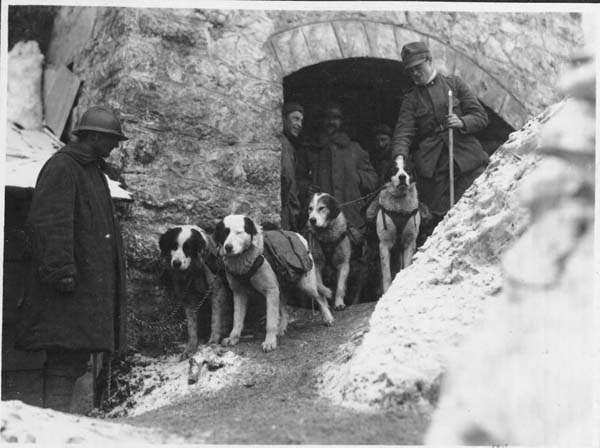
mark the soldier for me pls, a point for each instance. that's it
(381, 156)
(292, 115)
(424, 120)
(334, 164)
(75, 299)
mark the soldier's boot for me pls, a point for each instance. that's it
(58, 391)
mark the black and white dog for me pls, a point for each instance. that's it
(241, 247)
(191, 256)
(398, 220)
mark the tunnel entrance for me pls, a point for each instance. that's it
(370, 91)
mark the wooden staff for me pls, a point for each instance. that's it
(451, 150)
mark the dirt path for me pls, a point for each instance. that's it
(274, 399)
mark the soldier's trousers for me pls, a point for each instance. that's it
(435, 191)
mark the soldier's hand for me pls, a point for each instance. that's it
(452, 121)
(66, 284)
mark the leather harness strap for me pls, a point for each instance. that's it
(245, 278)
(329, 247)
(400, 219)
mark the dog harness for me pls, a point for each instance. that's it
(329, 247)
(245, 278)
(400, 219)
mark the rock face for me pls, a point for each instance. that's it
(200, 91)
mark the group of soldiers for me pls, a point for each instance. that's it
(331, 162)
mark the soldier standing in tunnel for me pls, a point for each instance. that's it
(381, 155)
(292, 115)
(422, 131)
(75, 304)
(332, 163)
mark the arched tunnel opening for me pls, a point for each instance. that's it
(370, 91)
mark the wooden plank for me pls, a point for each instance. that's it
(60, 90)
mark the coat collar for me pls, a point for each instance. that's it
(82, 153)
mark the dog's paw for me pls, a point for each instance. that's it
(230, 341)
(328, 320)
(213, 340)
(339, 307)
(268, 346)
(270, 343)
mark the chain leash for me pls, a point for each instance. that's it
(363, 198)
(162, 325)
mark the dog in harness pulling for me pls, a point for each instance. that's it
(397, 222)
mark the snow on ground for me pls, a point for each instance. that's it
(164, 380)
(21, 423)
(431, 305)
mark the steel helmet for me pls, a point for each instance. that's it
(100, 119)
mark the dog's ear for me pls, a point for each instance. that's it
(391, 170)
(166, 240)
(249, 226)
(198, 242)
(221, 233)
(333, 205)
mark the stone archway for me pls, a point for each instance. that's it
(316, 42)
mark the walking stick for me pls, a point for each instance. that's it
(451, 151)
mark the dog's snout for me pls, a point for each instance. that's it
(313, 220)
(228, 248)
(402, 178)
(176, 263)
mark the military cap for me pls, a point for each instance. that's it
(288, 108)
(414, 53)
(382, 129)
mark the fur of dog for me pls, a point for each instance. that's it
(330, 244)
(399, 198)
(240, 242)
(187, 250)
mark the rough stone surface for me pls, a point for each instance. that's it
(199, 93)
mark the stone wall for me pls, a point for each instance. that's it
(199, 93)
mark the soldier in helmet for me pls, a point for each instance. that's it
(74, 303)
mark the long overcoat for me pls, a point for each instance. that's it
(340, 167)
(290, 204)
(422, 118)
(74, 232)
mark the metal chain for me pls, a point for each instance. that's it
(162, 324)
(365, 197)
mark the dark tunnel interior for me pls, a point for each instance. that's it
(370, 91)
